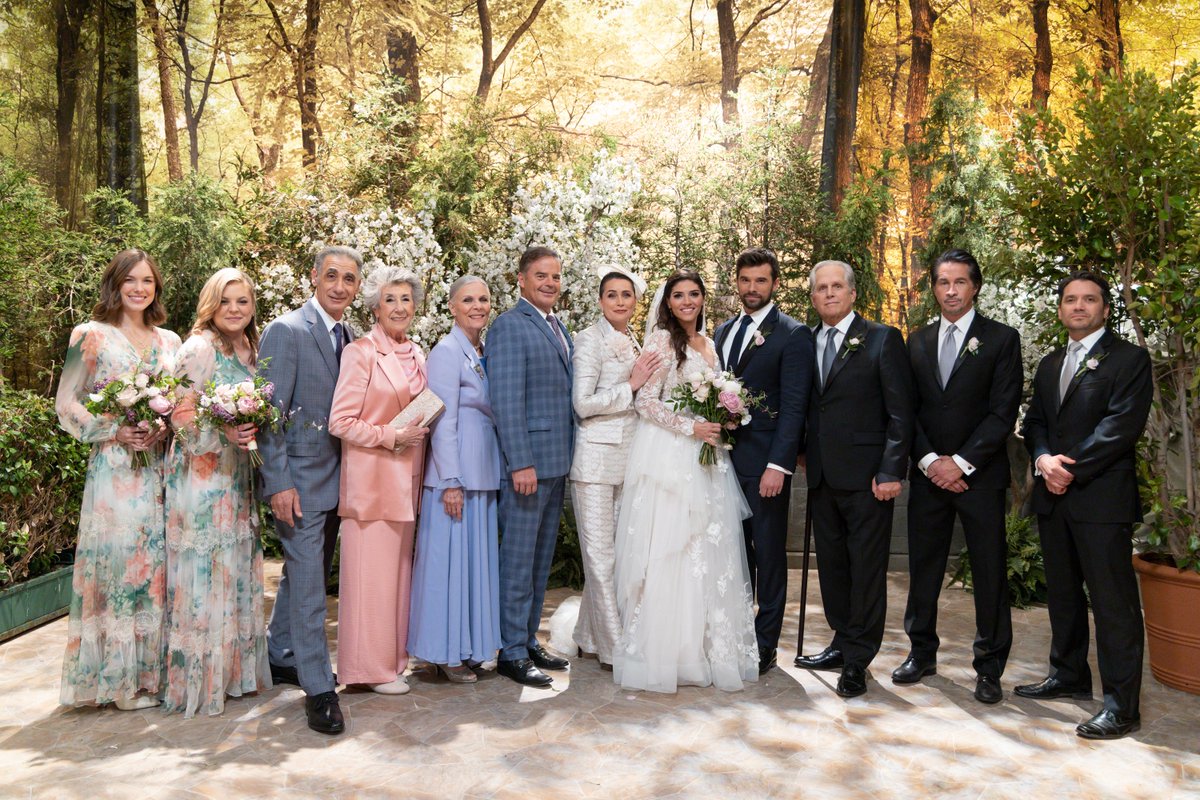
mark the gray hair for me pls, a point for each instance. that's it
(384, 276)
(846, 268)
(337, 250)
(463, 281)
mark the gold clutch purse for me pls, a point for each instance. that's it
(421, 411)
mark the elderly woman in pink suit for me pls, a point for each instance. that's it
(381, 484)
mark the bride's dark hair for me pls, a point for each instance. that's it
(666, 320)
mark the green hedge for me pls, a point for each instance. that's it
(42, 471)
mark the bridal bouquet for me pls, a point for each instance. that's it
(716, 397)
(140, 398)
(239, 403)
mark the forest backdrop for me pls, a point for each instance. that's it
(650, 133)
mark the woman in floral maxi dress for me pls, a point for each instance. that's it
(114, 634)
(216, 634)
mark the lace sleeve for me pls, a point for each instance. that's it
(78, 375)
(652, 399)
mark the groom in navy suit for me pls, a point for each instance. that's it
(773, 355)
(528, 355)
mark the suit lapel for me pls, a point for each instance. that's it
(316, 326)
(929, 342)
(974, 332)
(768, 324)
(858, 329)
(1098, 351)
(719, 341)
(543, 325)
(389, 365)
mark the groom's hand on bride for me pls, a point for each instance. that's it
(771, 483)
(525, 480)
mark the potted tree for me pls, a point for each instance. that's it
(1115, 187)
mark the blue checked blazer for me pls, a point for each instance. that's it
(529, 382)
(296, 355)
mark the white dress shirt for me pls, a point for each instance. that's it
(330, 322)
(842, 329)
(960, 329)
(756, 320)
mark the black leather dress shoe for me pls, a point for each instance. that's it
(1052, 689)
(766, 659)
(828, 658)
(324, 713)
(853, 681)
(1108, 725)
(523, 671)
(284, 675)
(544, 659)
(912, 670)
(987, 689)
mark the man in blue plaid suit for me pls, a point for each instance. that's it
(528, 356)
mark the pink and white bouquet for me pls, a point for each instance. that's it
(716, 397)
(239, 403)
(140, 398)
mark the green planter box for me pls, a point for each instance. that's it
(30, 603)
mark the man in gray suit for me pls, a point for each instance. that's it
(529, 375)
(300, 353)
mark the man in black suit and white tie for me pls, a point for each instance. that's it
(772, 354)
(860, 426)
(1089, 407)
(968, 377)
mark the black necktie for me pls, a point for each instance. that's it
(339, 340)
(735, 349)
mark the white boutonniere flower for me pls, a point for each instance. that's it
(973, 345)
(852, 344)
(1090, 365)
(759, 339)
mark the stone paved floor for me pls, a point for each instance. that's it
(787, 736)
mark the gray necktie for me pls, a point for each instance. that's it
(949, 354)
(1070, 364)
(553, 321)
(828, 356)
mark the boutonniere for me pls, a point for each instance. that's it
(973, 346)
(851, 345)
(1090, 364)
(479, 371)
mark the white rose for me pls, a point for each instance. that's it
(731, 386)
(229, 406)
(95, 397)
(127, 396)
(153, 391)
(141, 380)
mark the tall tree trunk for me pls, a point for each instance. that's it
(68, 65)
(818, 88)
(402, 63)
(490, 66)
(165, 84)
(1112, 46)
(303, 56)
(841, 103)
(730, 75)
(120, 162)
(915, 107)
(1043, 58)
(193, 106)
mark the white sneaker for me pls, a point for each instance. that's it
(137, 702)
(398, 686)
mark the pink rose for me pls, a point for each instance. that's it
(247, 405)
(731, 402)
(160, 405)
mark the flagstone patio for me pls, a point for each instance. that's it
(787, 736)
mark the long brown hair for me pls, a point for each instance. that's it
(108, 308)
(666, 319)
(210, 301)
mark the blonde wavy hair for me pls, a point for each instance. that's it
(210, 301)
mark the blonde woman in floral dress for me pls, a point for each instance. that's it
(115, 632)
(216, 634)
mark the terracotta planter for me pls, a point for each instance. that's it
(1170, 598)
(30, 603)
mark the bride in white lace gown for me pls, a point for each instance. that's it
(683, 587)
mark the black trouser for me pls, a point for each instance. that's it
(1100, 555)
(853, 534)
(766, 554)
(931, 513)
